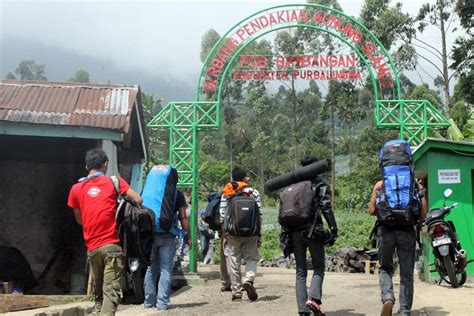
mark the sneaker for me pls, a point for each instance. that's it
(250, 289)
(387, 308)
(236, 296)
(225, 288)
(315, 308)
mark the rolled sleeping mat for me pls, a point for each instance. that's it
(302, 174)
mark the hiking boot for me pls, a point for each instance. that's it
(225, 288)
(251, 291)
(387, 308)
(315, 308)
(236, 296)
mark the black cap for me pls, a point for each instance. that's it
(307, 160)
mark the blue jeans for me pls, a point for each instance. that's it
(161, 268)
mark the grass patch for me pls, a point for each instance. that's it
(354, 231)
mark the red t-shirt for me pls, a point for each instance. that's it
(97, 199)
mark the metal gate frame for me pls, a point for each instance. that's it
(183, 120)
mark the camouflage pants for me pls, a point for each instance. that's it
(106, 264)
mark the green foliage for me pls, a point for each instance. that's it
(10, 76)
(354, 230)
(213, 174)
(158, 149)
(393, 28)
(80, 76)
(353, 190)
(463, 50)
(454, 132)
(270, 246)
(423, 92)
(209, 39)
(460, 112)
(468, 132)
(29, 70)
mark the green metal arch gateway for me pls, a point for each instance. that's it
(322, 18)
(184, 120)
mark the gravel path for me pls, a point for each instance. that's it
(344, 294)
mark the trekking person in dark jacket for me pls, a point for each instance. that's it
(311, 236)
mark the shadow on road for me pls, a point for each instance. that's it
(429, 310)
(343, 312)
(269, 298)
(189, 305)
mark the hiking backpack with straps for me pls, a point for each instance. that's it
(296, 205)
(159, 194)
(242, 216)
(397, 202)
(135, 227)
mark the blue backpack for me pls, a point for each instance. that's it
(159, 195)
(397, 203)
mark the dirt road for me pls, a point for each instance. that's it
(343, 294)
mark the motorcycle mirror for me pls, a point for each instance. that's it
(447, 193)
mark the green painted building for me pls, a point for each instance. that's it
(448, 164)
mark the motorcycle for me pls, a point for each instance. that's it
(450, 258)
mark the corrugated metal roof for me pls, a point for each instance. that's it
(69, 104)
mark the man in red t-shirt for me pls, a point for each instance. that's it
(94, 202)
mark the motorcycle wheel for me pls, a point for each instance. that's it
(463, 278)
(450, 273)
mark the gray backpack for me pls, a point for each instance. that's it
(296, 205)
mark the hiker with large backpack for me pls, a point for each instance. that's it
(398, 206)
(302, 206)
(213, 218)
(240, 215)
(161, 195)
(94, 202)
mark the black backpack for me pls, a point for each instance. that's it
(296, 205)
(136, 230)
(212, 215)
(242, 216)
(135, 227)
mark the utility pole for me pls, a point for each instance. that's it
(333, 144)
(444, 58)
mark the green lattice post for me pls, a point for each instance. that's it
(412, 118)
(184, 120)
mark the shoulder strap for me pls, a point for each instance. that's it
(116, 183)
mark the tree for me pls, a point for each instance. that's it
(209, 39)
(439, 14)
(349, 110)
(158, 148)
(80, 76)
(463, 50)
(10, 76)
(288, 44)
(423, 92)
(393, 28)
(462, 100)
(29, 70)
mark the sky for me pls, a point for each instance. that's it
(148, 36)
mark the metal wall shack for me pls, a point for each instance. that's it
(448, 164)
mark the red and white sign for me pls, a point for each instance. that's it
(315, 16)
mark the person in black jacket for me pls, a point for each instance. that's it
(311, 236)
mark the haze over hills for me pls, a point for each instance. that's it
(61, 64)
